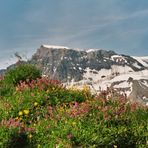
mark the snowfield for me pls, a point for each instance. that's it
(117, 77)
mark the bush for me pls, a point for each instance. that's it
(6, 89)
(22, 72)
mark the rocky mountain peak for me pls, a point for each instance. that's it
(67, 64)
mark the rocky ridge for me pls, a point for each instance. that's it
(69, 64)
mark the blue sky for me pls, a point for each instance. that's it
(119, 25)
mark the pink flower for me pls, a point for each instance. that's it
(69, 136)
(29, 129)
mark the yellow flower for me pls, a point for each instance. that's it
(85, 88)
(23, 125)
(35, 103)
(47, 91)
(20, 113)
(73, 123)
(16, 118)
(115, 146)
(26, 112)
(30, 136)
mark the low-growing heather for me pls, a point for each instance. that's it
(44, 113)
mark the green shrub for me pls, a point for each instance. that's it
(22, 72)
(6, 89)
(4, 136)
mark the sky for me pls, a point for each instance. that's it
(119, 25)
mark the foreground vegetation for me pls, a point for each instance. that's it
(38, 112)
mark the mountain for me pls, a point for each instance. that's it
(68, 64)
(98, 69)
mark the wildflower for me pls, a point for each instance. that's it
(35, 103)
(73, 123)
(69, 136)
(115, 146)
(26, 112)
(46, 116)
(32, 94)
(23, 125)
(20, 113)
(30, 136)
(29, 129)
(17, 118)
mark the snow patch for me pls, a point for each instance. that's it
(80, 68)
(118, 58)
(106, 73)
(142, 60)
(55, 47)
(122, 85)
(145, 83)
(136, 65)
(91, 50)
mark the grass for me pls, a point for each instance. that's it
(43, 113)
